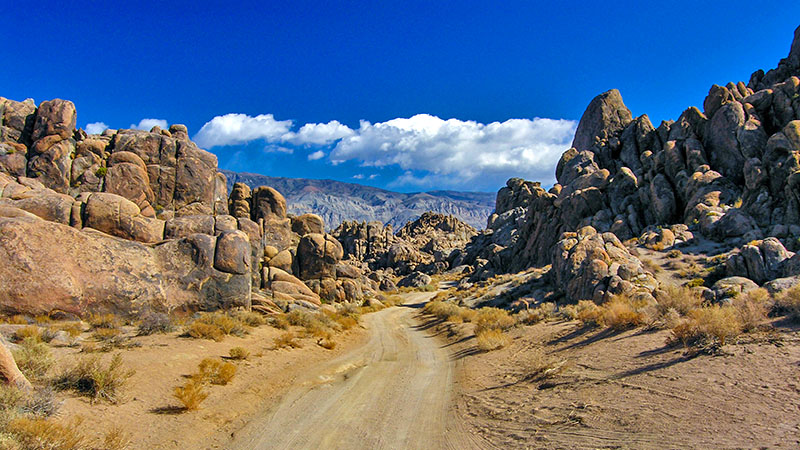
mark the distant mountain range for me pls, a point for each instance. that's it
(336, 201)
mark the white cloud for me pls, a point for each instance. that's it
(148, 124)
(319, 133)
(359, 176)
(319, 154)
(96, 127)
(237, 129)
(457, 152)
(278, 149)
(430, 151)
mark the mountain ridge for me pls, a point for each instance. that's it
(337, 201)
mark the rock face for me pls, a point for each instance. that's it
(54, 267)
(729, 172)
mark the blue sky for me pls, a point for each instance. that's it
(406, 95)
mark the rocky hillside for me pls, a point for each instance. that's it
(729, 172)
(337, 202)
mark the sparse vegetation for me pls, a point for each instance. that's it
(91, 378)
(489, 339)
(215, 371)
(31, 332)
(542, 312)
(287, 339)
(239, 353)
(109, 321)
(191, 394)
(33, 358)
(155, 322)
(752, 308)
(709, 325)
(493, 319)
(215, 326)
(674, 253)
(788, 303)
(621, 313)
(101, 172)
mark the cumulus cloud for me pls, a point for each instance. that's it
(148, 124)
(96, 127)
(319, 133)
(458, 152)
(430, 151)
(237, 129)
(319, 154)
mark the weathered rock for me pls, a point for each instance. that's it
(317, 255)
(308, 223)
(732, 287)
(120, 217)
(179, 227)
(55, 118)
(232, 254)
(239, 202)
(415, 280)
(268, 204)
(88, 271)
(605, 116)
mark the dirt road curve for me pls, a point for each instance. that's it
(393, 392)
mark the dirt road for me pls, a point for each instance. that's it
(393, 392)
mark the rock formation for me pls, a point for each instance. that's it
(729, 172)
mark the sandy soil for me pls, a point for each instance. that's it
(393, 392)
(629, 390)
(149, 413)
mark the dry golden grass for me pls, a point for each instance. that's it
(215, 371)
(202, 330)
(116, 439)
(73, 329)
(18, 319)
(788, 303)
(585, 311)
(239, 353)
(89, 377)
(542, 312)
(752, 308)
(712, 325)
(680, 298)
(105, 321)
(278, 321)
(392, 300)
(33, 358)
(675, 253)
(38, 433)
(491, 339)
(249, 318)
(287, 339)
(620, 313)
(191, 394)
(29, 332)
(493, 319)
(106, 334)
(651, 265)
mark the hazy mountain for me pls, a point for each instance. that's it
(336, 201)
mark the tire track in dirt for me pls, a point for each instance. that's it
(396, 391)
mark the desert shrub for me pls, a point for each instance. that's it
(428, 288)
(675, 253)
(105, 321)
(287, 339)
(681, 299)
(106, 334)
(239, 353)
(620, 313)
(493, 319)
(33, 358)
(788, 303)
(278, 321)
(38, 433)
(440, 309)
(317, 324)
(89, 377)
(101, 172)
(18, 319)
(535, 315)
(539, 366)
(200, 330)
(249, 318)
(752, 308)
(28, 332)
(215, 371)
(489, 339)
(42, 319)
(708, 325)
(116, 439)
(73, 329)
(586, 311)
(191, 394)
(343, 322)
(155, 322)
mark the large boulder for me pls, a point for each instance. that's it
(52, 267)
(268, 204)
(232, 254)
(605, 116)
(118, 216)
(592, 266)
(308, 223)
(317, 255)
(415, 280)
